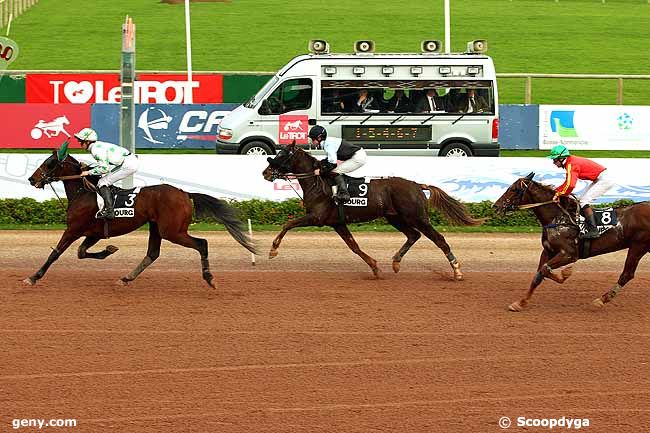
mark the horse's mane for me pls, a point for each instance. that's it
(322, 184)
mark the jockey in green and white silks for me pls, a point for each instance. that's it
(112, 162)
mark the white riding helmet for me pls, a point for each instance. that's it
(86, 134)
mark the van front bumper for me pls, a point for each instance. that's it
(226, 148)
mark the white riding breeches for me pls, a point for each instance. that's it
(128, 167)
(597, 188)
(357, 160)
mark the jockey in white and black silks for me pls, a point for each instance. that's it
(112, 163)
(337, 149)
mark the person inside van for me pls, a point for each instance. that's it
(399, 103)
(430, 103)
(472, 102)
(359, 102)
(337, 149)
(332, 101)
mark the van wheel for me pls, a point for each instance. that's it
(256, 148)
(456, 150)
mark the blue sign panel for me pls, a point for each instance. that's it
(164, 126)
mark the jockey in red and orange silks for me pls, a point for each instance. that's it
(583, 169)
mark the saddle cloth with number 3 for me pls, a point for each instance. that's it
(123, 202)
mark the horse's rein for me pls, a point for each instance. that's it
(532, 205)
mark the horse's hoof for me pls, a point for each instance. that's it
(458, 275)
(273, 253)
(110, 249)
(598, 303)
(566, 272)
(396, 267)
(377, 273)
(122, 282)
(29, 281)
(515, 307)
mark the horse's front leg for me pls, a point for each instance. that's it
(345, 234)
(304, 221)
(545, 270)
(66, 240)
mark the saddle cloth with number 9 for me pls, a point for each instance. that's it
(123, 201)
(358, 188)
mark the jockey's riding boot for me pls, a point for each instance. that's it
(342, 193)
(107, 212)
(590, 224)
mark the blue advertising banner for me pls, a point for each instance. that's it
(164, 126)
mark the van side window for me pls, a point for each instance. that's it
(291, 95)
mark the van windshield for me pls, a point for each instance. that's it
(252, 102)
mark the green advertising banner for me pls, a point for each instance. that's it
(12, 88)
(238, 88)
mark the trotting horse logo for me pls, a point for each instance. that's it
(50, 129)
(293, 127)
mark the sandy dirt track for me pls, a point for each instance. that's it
(310, 342)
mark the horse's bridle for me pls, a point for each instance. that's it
(286, 174)
(47, 178)
(513, 205)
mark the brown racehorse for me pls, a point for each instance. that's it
(402, 202)
(167, 209)
(559, 235)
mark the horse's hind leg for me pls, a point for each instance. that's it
(634, 255)
(412, 237)
(83, 253)
(201, 245)
(345, 234)
(153, 251)
(427, 230)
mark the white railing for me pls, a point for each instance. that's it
(10, 9)
(528, 92)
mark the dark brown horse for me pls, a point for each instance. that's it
(402, 202)
(560, 231)
(167, 209)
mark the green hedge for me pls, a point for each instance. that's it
(29, 211)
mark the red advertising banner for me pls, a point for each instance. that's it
(105, 88)
(41, 125)
(293, 127)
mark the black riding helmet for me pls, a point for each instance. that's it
(317, 132)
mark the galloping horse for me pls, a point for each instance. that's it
(167, 209)
(402, 202)
(560, 235)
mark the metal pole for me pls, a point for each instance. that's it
(448, 27)
(188, 39)
(127, 103)
(529, 91)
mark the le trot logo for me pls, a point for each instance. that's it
(8, 52)
(293, 127)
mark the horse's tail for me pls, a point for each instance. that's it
(206, 206)
(450, 207)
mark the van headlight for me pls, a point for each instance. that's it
(223, 133)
